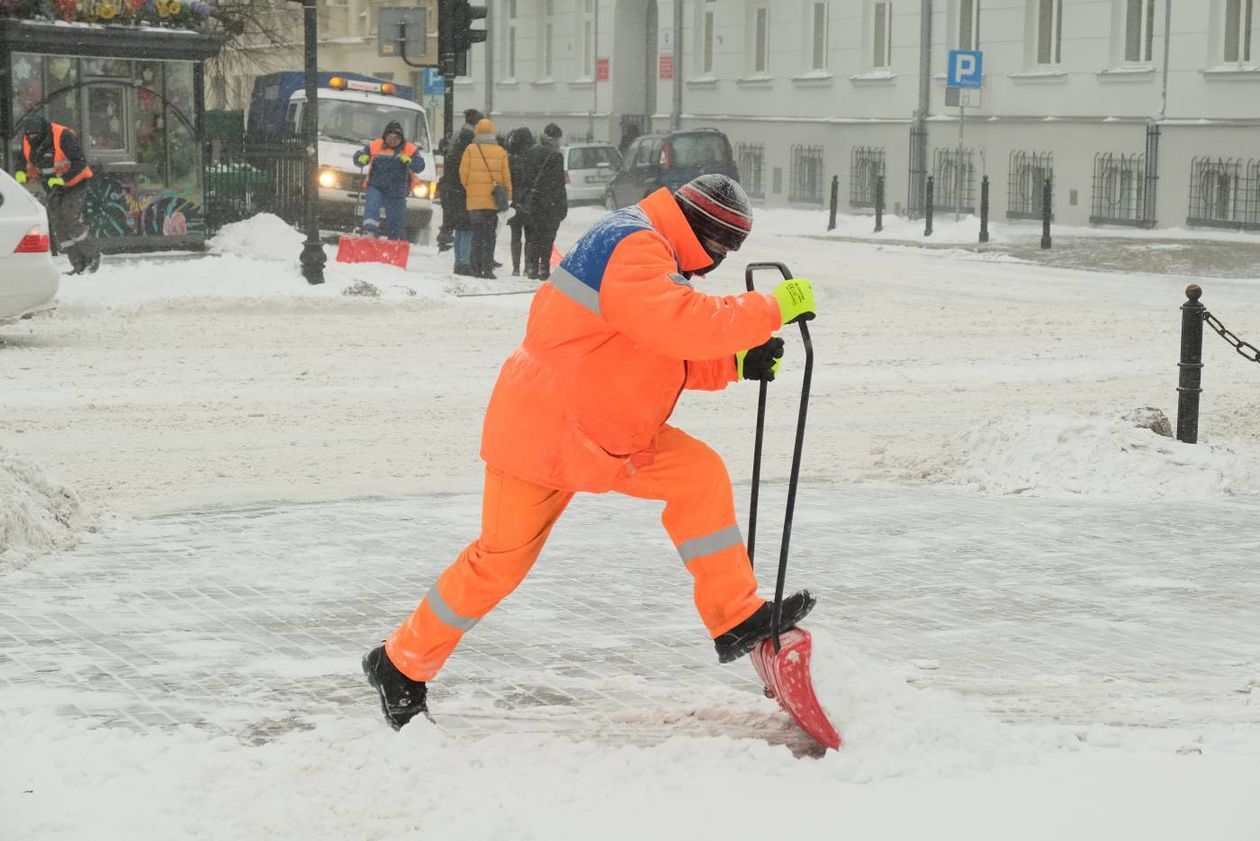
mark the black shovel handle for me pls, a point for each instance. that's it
(796, 455)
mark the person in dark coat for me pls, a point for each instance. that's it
(545, 201)
(519, 142)
(392, 164)
(53, 156)
(456, 223)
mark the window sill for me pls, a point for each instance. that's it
(583, 82)
(463, 81)
(507, 83)
(706, 81)
(758, 80)
(544, 82)
(1129, 73)
(873, 77)
(817, 77)
(1045, 75)
(1232, 72)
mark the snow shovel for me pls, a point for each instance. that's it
(361, 249)
(782, 661)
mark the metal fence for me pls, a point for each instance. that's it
(1119, 191)
(751, 160)
(866, 165)
(261, 175)
(954, 177)
(1224, 193)
(1026, 184)
(806, 174)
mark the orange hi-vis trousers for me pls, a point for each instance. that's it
(517, 516)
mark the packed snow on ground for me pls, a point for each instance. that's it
(190, 382)
(37, 515)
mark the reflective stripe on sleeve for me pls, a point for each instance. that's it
(575, 289)
(443, 611)
(698, 547)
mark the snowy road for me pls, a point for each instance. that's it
(1037, 622)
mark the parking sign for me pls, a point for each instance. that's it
(965, 68)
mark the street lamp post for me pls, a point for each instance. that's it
(313, 258)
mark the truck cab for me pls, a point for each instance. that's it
(353, 110)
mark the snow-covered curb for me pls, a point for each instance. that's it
(37, 514)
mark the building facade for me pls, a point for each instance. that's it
(1077, 91)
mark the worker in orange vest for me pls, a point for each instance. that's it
(53, 156)
(614, 337)
(393, 163)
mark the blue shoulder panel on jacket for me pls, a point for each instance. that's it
(587, 260)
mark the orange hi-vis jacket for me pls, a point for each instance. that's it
(612, 340)
(378, 147)
(61, 163)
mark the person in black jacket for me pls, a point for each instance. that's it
(519, 142)
(456, 223)
(53, 156)
(545, 201)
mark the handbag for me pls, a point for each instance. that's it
(498, 192)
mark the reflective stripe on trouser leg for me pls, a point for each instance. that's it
(700, 518)
(516, 518)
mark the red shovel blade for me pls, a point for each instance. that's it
(786, 676)
(372, 250)
(556, 256)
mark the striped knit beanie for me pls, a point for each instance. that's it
(717, 209)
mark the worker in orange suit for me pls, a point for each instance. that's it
(613, 338)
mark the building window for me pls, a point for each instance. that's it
(881, 54)
(807, 175)
(969, 24)
(588, 39)
(1026, 184)
(1049, 31)
(548, 38)
(954, 180)
(707, 36)
(509, 41)
(761, 39)
(1225, 193)
(1139, 30)
(1238, 22)
(866, 167)
(750, 158)
(819, 40)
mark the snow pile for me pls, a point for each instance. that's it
(262, 237)
(892, 729)
(37, 515)
(1069, 456)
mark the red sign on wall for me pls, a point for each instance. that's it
(666, 67)
(601, 70)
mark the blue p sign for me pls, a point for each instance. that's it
(965, 68)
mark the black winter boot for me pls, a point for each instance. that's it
(744, 637)
(402, 698)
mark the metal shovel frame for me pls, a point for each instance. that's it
(796, 455)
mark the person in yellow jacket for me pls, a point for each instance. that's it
(483, 168)
(614, 337)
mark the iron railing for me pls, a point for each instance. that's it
(262, 175)
(1026, 184)
(1224, 193)
(866, 165)
(955, 181)
(1119, 191)
(806, 175)
(750, 158)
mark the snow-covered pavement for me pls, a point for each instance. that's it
(1036, 621)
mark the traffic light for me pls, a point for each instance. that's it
(456, 35)
(465, 35)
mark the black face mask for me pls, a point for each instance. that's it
(717, 261)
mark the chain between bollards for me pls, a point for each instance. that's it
(984, 209)
(929, 205)
(879, 204)
(1191, 366)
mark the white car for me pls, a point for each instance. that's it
(28, 278)
(588, 167)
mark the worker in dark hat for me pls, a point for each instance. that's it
(392, 162)
(53, 157)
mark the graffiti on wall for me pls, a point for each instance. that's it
(118, 206)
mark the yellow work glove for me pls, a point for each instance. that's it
(796, 300)
(56, 181)
(405, 158)
(20, 177)
(761, 362)
(362, 159)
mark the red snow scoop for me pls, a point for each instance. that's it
(782, 661)
(556, 256)
(351, 249)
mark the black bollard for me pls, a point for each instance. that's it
(835, 200)
(879, 204)
(1046, 203)
(928, 202)
(984, 209)
(1191, 366)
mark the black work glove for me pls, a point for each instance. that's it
(761, 362)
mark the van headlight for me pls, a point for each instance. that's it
(422, 190)
(327, 178)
